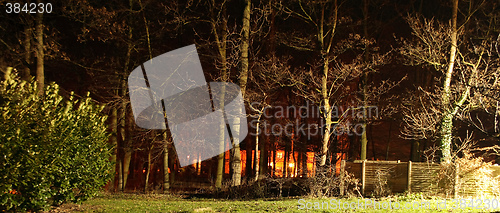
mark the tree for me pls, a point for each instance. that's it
(218, 25)
(447, 122)
(466, 61)
(270, 74)
(325, 26)
(326, 81)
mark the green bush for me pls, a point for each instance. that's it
(52, 150)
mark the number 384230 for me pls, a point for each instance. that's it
(28, 7)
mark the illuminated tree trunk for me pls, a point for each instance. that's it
(40, 76)
(447, 120)
(120, 174)
(244, 76)
(148, 170)
(256, 154)
(126, 165)
(364, 79)
(114, 144)
(325, 49)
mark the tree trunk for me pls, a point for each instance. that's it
(221, 46)
(325, 49)
(447, 121)
(26, 75)
(114, 144)
(166, 179)
(256, 154)
(304, 159)
(415, 145)
(244, 47)
(286, 167)
(120, 175)
(274, 160)
(40, 76)
(388, 142)
(364, 82)
(127, 147)
(236, 158)
(124, 131)
(220, 168)
(126, 165)
(148, 170)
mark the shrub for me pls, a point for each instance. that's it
(52, 150)
(326, 184)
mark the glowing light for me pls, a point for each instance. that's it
(291, 165)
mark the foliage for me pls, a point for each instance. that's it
(326, 184)
(381, 182)
(53, 150)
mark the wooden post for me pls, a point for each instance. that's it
(342, 171)
(409, 177)
(363, 176)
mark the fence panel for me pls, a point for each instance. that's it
(384, 177)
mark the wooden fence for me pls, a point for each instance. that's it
(379, 177)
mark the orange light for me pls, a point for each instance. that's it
(291, 165)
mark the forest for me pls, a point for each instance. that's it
(321, 82)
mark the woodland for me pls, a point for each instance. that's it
(322, 81)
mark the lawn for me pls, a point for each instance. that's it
(175, 203)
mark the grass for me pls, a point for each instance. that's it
(174, 203)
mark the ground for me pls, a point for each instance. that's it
(178, 203)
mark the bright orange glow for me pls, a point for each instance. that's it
(226, 162)
(292, 169)
(339, 156)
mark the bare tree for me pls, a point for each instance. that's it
(270, 74)
(326, 81)
(468, 65)
(325, 25)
